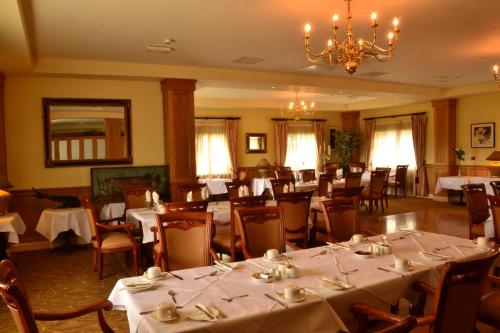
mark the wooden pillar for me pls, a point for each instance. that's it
(350, 122)
(178, 127)
(3, 145)
(444, 137)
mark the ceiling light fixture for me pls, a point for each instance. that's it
(299, 108)
(495, 75)
(349, 53)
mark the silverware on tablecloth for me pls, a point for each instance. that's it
(390, 271)
(211, 316)
(172, 294)
(319, 254)
(175, 275)
(210, 274)
(398, 238)
(230, 299)
(440, 248)
(349, 272)
(276, 300)
(150, 311)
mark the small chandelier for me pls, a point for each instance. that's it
(495, 75)
(348, 53)
(299, 108)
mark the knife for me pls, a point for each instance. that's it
(211, 316)
(389, 271)
(337, 245)
(435, 255)
(175, 275)
(277, 301)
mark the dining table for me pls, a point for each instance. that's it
(334, 277)
(54, 221)
(11, 226)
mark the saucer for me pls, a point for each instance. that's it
(363, 254)
(257, 277)
(161, 277)
(280, 257)
(196, 314)
(281, 296)
(154, 315)
(408, 268)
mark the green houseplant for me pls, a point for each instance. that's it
(345, 145)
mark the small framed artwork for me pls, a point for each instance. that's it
(331, 136)
(256, 142)
(482, 135)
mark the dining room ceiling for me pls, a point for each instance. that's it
(443, 44)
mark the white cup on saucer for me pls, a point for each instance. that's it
(385, 249)
(166, 311)
(272, 254)
(483, 242)
(293, 293)
(162, 209)
(357, 238)
(282, 266)
(401, 263)
(154, 272)
(292, 272)
(375, 249)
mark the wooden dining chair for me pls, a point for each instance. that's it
(262, 228)
(399, 180)
(341, 219)
(135, 196)
(495, 185)
(331, 168)
(393, 323)
(308, 175)
(16, 298)
(357, 167)
(386, 185)
(227, 238)
(192, 206)
(489, 309)
(323, 182)
(375, 191)
(285, 174)
(353, 179)
(233, 187)
(296, 216)
(278, 184)
(455, 300)
(477, 208)
(109, 239)
(182, 190)
(495, 212)
(186, 239)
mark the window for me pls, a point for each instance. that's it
(212, 151)
(301, 151)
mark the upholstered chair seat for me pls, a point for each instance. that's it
(223, 239)
(114, 240)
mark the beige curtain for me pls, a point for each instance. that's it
(232, 142)
(418, 127)
(212, 149)
(320, 135)
(369, 130)
(280, 141)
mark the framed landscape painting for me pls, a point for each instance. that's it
(482, 135)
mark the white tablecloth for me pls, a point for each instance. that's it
(318, 313)
(13, 224)
(112, 210)
(260, 184)
(454, 183)
(215, 185)
(54, 221)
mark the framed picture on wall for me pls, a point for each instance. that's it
(331, 136)
(482, 135)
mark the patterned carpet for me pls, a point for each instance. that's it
(57, 281)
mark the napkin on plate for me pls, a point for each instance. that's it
(189, 196)
(148, 196)
(338, 283)
(156, 197)
(291, 187)
(285, 188)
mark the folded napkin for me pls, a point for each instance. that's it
(204, 193)
(225, 265)
(148, 196)
(189, 196)
(434, 256)
(241, 191)
(285, 188)
(246, 191)
(343, 245)
(330, 187)
(339, 173)
(137, 287)
(156, 197)
(338, 283)
(207, 313)
(291, 187)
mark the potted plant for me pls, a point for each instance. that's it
(345, 144)
(460, 154)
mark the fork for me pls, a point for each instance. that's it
(230, 299)
(211, 274)
(320, 253)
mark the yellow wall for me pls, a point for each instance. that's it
(259, 121)
(24, 125)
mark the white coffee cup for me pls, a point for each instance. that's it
(357, 238)
(272, 254)
(401, 263)
(292, 272)
(376, 249)
(162, 209)
(483, 242)
(166, 311)
(293, 292)
(282, 266)
(385, 248)
(154, 272)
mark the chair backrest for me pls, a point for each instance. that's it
(477, 202)
(242, 173)
(353, 193)
(186, 239)
(135, 196)
(233, 187)
(353, 179)
(401, 171)
(387, 172)
(357, 167)
(92, 218)
(377, 183)
(262, 229)
(323, 184)
(341, 218)
(195, 188)
(495, 211)
(308, 175)
(285, 174)
(458, 294)
(295, 215)
(278, 184)
(192, 206)
(14, 294)
(331, 167)
(495, 185)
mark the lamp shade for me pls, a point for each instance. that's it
(263, 164)
(495, 156)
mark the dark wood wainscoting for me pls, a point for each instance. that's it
(26, 204)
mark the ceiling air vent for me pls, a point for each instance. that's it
(247, 60)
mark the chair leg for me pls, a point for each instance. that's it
(370, 204)
(386, 202)
(100, 260)
(94, 259)
(382, 204)
(136, 267)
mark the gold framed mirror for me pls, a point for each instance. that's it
(256, 142)
(87, 131)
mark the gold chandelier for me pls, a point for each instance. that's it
(299, 108)
(348, 53)
(495, 75)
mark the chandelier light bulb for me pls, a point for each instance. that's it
(312, 105)
(373, 16)
(307, 28)
(395, 22)
(335, 17)
(495, 69)
(330, 43)
(390, 35)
